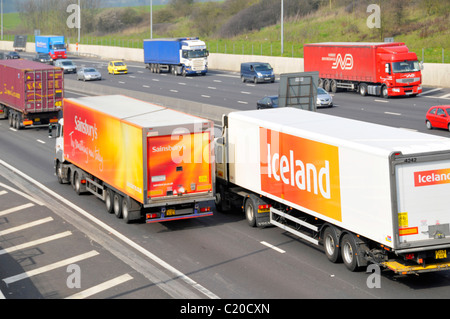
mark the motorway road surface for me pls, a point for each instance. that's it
(218, 256)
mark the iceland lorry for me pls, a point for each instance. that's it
(143, 160)
(367, 193)
(185, 56)
(54, 45)
(382, 69)
(31, 93)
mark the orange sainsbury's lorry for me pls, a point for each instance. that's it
(143, 160)
(367, 193)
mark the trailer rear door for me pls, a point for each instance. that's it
(423, 188)
(179, 165)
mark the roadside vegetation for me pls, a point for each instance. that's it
(249, 26)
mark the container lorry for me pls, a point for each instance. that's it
(143, 160)
(54, 45)
(185, 56)
(31, 93)
(382, 69)
(370, 194)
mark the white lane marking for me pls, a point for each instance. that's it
(117, 234)
(15, 209)
(245, 92)
(212, 88)
(26, 226)
(22, 194)
(182, 83)
(101, 287)
(392, 113)
(53, 266)
(35, 242)
(42, 142)
(446, 96)
(174, 91)
(273, 247)
(121, 82)
(3, 192)
(430, 91)
(206, 96)
(218, 81)
(146, 86)
(242, 102)
(381, 101)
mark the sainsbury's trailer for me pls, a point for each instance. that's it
(374, 68)
(368, 193)
(143, 160)
(31, 93)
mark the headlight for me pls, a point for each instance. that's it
(396, 90)
(259, 74)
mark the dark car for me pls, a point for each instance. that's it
(267, 102)
(438, 117)
(257, 72)
(12, 55)
(43, 58)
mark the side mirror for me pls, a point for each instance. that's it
(387, 68)
(52, 130)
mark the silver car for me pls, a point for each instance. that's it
(67, 65)
(88, 74)
(323, 98)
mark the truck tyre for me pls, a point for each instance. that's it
(117, 202)
(250, 211)
(349, 252)
(333, 86)
(76, 183)
(363, 89)
(326, 85)
(58, 172)
(384, 92)
(183, 72)
(125, 211)
(331, 245)
(109, 201)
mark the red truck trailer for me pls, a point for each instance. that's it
(31, 93)
(383, 69)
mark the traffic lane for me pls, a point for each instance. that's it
(408, 113)
(161, 276)
(38, 257)
(222, 89)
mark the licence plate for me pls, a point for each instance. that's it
(440, 254)
(170, 212)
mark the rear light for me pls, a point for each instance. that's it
(152, 215)
(264, 208)
(27, 122)
(53, 120)
(205, 209)
(83, 181)
(409, 256)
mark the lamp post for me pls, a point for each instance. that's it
(151, 19)
(282, 27)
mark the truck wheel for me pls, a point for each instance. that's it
(125, 211)
(58, 172)
(76, 184)
(384, 92)
(183, 72)
(349, 252)
(363, 89)
(117, 205)
(331, 245)
(250, 211)
(333, 86)
(109, 201)
(326, 85)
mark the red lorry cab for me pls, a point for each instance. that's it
(386, 69)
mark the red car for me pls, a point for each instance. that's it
(438, 117)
